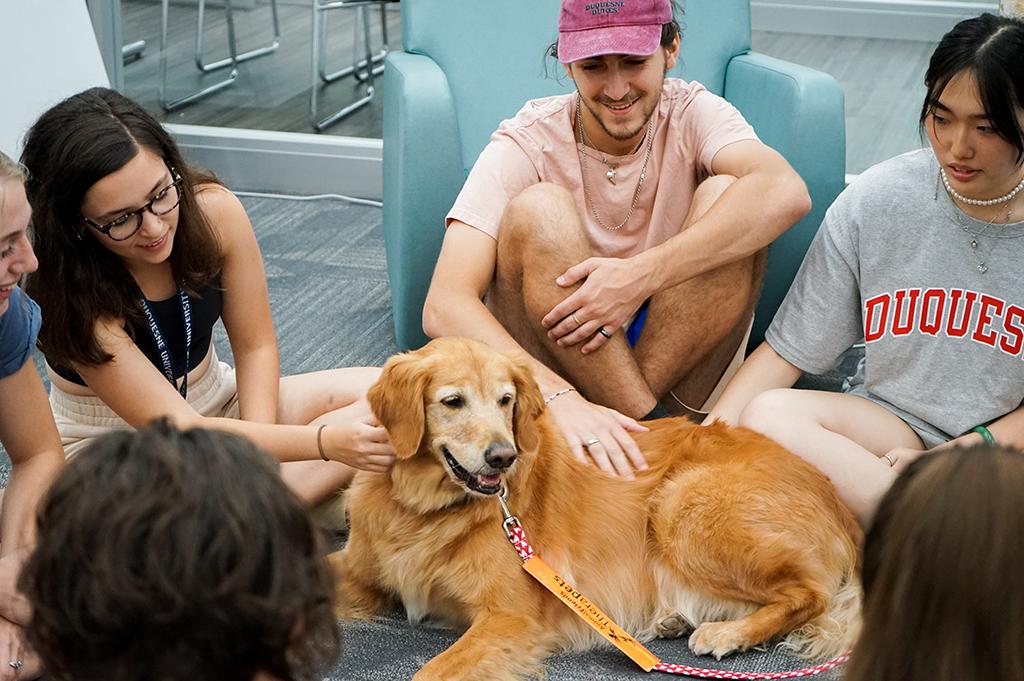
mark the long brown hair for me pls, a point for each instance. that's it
(71, 147)
(943, 597)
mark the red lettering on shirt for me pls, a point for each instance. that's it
(929, 323)
(969, 297)
(1013, 325)
(988, 304)
(899, 326)
(876, 316)
(997, 324)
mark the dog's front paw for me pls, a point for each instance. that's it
(718, 639)
(672, 626)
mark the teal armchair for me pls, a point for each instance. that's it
(468, 64)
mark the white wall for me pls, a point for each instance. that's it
(47, 52)
(925, 20)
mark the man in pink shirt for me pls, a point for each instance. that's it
(637, 201)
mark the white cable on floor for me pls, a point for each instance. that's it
(314, 197)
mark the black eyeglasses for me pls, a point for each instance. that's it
(164, 202)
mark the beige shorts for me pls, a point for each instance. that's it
(730, 370)
(82, 419)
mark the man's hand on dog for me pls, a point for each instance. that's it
(581, 422)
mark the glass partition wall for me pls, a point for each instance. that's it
(278, 62)
(252, 119)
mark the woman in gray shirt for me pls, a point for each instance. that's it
(920, 258)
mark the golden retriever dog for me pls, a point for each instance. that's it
(726, 536)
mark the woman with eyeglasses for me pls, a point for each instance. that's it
(139, 255)
(27, 430)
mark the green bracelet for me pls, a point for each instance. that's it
(985, 433)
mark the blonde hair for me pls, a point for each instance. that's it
(9, 168)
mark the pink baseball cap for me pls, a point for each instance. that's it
(589, 28)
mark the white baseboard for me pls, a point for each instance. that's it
(924, 20)
(285, 162)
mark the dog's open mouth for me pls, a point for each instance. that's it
(484, 484)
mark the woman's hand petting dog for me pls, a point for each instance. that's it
(354, 437)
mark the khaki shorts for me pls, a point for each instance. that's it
(82, 419)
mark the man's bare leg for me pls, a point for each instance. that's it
(683, 348)
(541, 236)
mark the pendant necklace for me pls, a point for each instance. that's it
(611, 171)
(961, 220)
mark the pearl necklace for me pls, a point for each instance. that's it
(1006, 198)
(611, 174)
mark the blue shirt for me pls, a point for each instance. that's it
(19, 326)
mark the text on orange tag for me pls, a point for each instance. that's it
(590, 613)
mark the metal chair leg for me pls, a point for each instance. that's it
(359, 68)
(203, 92)
(358, 65)
(132, 51)
(379, 56)
(239, 58)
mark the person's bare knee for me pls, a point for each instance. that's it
(705, 196)
(774, 412)
(541, 220)
(541, 236)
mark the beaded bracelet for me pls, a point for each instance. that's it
(985, 434)
(552, 396)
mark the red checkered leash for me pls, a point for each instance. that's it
(517, 537)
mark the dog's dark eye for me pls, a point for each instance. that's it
(453, 401)
(505, 400)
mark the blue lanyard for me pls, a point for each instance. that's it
(161, 344)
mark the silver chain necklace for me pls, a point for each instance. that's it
(611, 171)
(983, 232)
(961, 222)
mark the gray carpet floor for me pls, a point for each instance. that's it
(331, 304)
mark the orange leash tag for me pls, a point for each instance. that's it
(590, 613)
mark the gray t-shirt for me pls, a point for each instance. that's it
(942, 319)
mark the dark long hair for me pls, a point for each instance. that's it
(943, 598)
(71, 147)
(991, 48)
(179, 556)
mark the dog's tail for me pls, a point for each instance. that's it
(834, 632)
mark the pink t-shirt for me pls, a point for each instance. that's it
(691, 126)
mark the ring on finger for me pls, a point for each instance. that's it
(16, 664)
(576, 319)
(591, 442)
(889, 460)
(604, 332)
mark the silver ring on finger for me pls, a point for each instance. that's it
(889, 460)
(577, 320)
(604, 332)
(591, 442)
(16, 665)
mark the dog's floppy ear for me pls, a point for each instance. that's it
(397, 401)
(529, 404)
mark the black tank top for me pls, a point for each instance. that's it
(206, 311)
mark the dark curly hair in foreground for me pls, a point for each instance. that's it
(177, 556)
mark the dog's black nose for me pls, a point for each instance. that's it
(500, 455)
